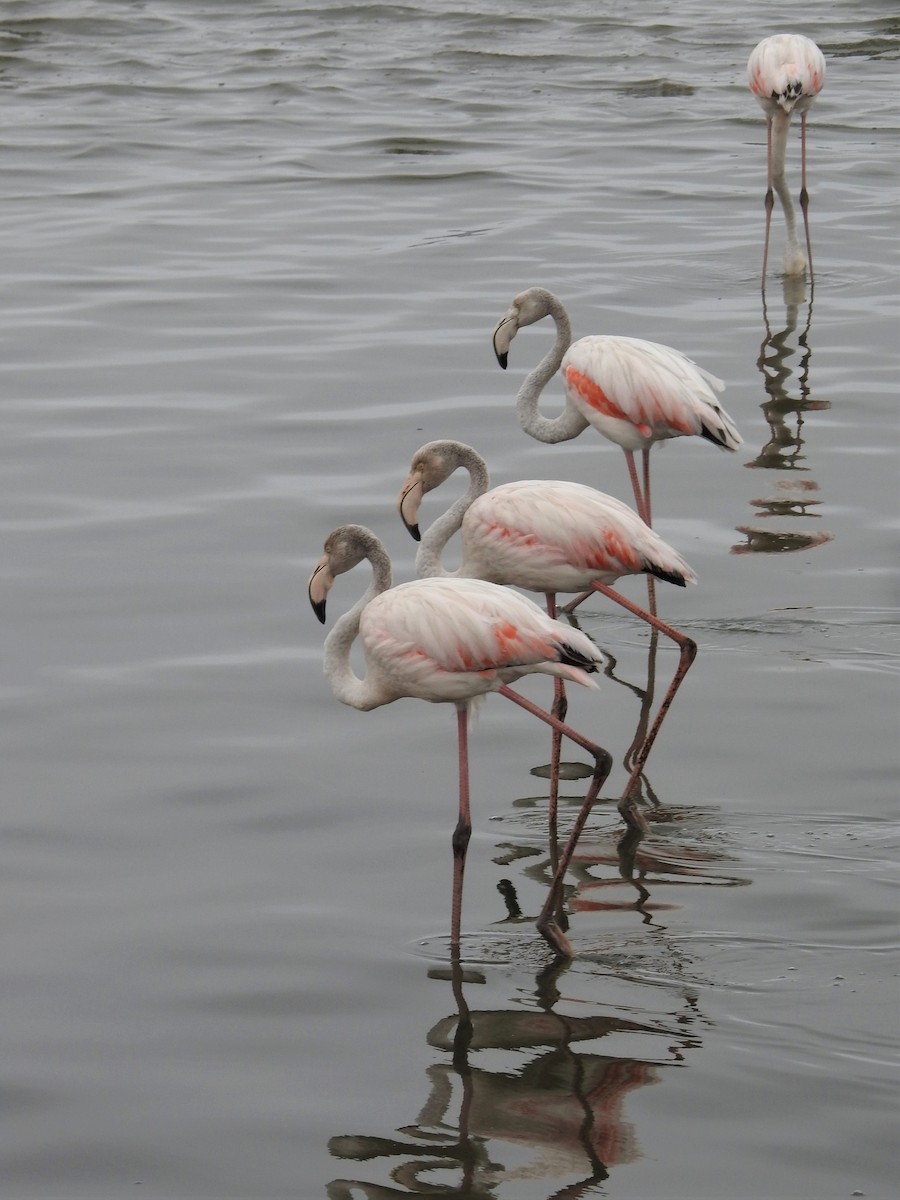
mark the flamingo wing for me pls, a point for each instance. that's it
(556, 536)
(449, 639)
(637, 392)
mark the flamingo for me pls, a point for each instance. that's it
(548, 536)
(786, 73)
(451, 641)
(633, 392)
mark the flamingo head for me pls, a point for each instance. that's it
(344, 548)
(431, 465)
(529, 306)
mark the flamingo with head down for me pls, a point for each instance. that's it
(785, 73)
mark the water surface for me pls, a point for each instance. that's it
(253, 257)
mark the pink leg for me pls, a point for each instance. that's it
(651, 582)
(463, 830)
(688, 649)
(639, 501)
(770, 198)
(642, 504)
(645, 457)
(547, 922)
(573, 604)
(560, 707)
(804, 194)
(640, 733)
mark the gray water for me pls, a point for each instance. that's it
(253, 255)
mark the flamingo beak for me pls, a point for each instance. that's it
(408, 504)
(507, 328)
(320, 583)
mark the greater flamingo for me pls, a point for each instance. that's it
(785, 73)
(450, 641)
(548, 536)
(633, 392)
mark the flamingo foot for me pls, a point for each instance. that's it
(632, 815)
(557, 940)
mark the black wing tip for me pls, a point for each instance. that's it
(666, 576)
(717, 439)
(574, 658)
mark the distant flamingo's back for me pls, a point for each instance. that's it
(786, 71)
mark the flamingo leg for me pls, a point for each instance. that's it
(688, 652)
(559, 710)
(770, 199)
(648, 518)
(642, 503)
(547, 921)
(640, 733)
(645, 462)
(804, 194)
(627, 854)
(639, 500)
(573, 604)
(463, 830)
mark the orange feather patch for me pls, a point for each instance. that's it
(593, 394)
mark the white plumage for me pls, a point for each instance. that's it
(637, 392)
(449, 640)
(787, 72)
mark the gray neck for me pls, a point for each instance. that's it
(570, 422)
(346, 685)
(428, 559)
(781, 123)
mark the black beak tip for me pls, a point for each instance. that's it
(502, 359)
(412, 529)
(318, 608)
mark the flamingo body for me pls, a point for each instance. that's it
(786, 72)
(637, 392)
(450, 640)
(551, 536)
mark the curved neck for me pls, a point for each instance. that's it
(428, 558)
(346, 685)
(570, 422)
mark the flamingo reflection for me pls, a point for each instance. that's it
(788, 400)
(626, 874)
(557, 1117)
(639, 791)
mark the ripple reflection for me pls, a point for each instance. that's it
(785, 409)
